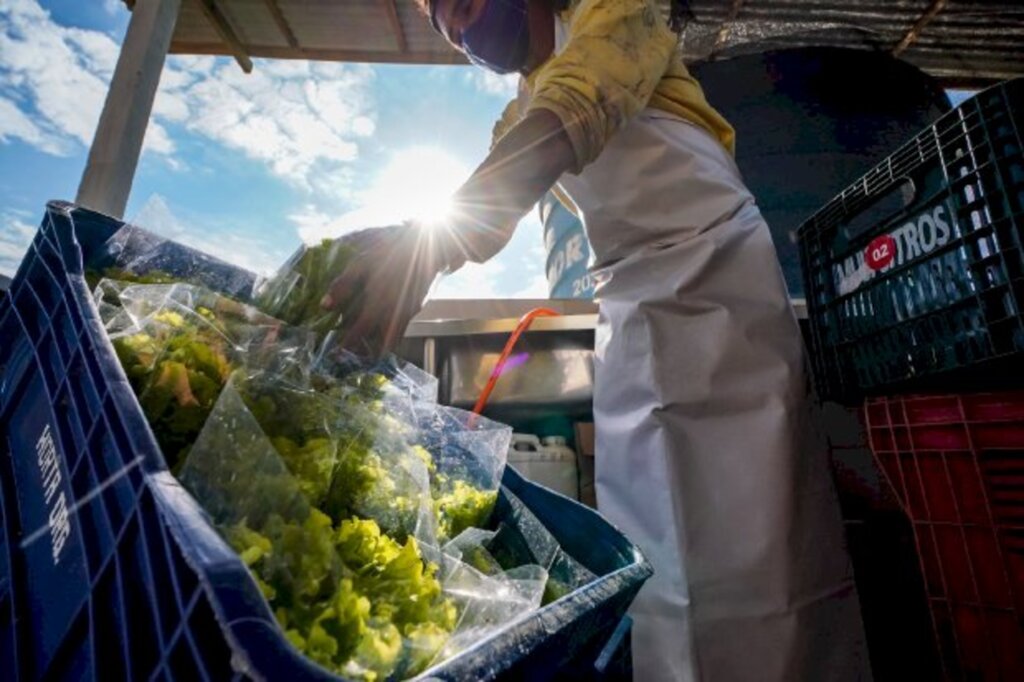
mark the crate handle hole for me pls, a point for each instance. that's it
(890, 201)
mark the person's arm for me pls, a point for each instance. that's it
(522, 166)
(390, 278)
(616, 54)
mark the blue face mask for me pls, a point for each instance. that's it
(499, 39)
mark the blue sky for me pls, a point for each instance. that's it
(247, 166)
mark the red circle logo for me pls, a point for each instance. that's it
(880, 252)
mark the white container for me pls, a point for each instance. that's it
(551, 464)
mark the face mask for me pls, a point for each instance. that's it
(499, 39)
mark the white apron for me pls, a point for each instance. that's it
(706, 455)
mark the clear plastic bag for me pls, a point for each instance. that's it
(295, 292)
(362, 507)
(178, 344)
(354, 599)
(521, 539)
(468, 454)
(488, 603)
(406, 382)
(135, 254)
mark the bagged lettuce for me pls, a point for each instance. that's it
(348, 595)
(178, 344)
(467, 459)
(294, 293)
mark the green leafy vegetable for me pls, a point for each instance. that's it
(177, 369)
(294, 294)
(310, 478)
(462, 506)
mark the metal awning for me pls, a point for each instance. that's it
(966, 43)
(329, 30)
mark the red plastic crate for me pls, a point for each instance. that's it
(956, 464)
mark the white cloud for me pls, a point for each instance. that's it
(15, 236)
(15, 124)
(489, 280)
(491, 83)
(206, 235)
(112, 6)
(61, 75)
(303, 120)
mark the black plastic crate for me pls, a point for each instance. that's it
(917, 269)
(109, 570)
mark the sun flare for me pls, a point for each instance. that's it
(418, 184)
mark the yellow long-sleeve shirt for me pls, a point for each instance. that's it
(619, 58)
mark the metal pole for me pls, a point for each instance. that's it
(116, 148)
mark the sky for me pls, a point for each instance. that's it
(247, 167)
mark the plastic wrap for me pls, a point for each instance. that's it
(523, 539)
(179, 343)
(295, 292)
(349, 596)
(328, 500)
(468, 458)
(134, 254)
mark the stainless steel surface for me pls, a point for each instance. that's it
(474, 317)
(535, 378)
(430, 356)
(439, 328)
(550, 371)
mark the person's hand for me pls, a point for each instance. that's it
(384, 286)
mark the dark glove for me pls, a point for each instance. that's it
(385, 285)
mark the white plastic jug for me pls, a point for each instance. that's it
(551, 464)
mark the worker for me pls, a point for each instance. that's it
(706, 455)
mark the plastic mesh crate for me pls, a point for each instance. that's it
(956, 464)
(110, 571)
(918, 267)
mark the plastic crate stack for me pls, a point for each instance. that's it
(956, 464)
(109, 570)
(915, 296)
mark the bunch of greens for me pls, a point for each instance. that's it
(348, 596)
(94, 277)
(356, 599)
(295, 292)
(177, 369)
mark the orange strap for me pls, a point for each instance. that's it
(524, 323)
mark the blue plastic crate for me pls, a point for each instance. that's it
(109, 570)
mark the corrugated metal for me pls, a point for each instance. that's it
(967, 42)
(344, 30)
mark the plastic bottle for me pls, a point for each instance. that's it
(551, 464)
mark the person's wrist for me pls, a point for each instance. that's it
(444, 253)
(452, 255)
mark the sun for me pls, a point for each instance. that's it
(418, 184)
